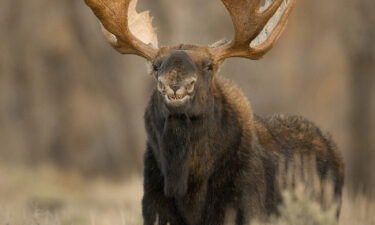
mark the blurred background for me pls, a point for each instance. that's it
(71, 104)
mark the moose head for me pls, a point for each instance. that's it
(184, 72)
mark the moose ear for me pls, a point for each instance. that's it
(150, 68)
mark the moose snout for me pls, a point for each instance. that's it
(176, 88)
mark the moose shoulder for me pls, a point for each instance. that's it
(207, 153)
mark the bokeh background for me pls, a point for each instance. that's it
(71, 104)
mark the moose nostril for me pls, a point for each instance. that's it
(175, 87)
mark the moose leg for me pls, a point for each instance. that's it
(156, 207)
(216, 208)
(252, 205)
(215, 214)
(249, 211)
(159, 210)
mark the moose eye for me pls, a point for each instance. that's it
(210, 67)
(156, 67)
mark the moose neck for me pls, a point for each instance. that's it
(185, 135)
(175, 148)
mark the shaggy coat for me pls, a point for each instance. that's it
(208, 156)
(200, 164)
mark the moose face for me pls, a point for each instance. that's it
(183, 76)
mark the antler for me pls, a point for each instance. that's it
(118, 17)
(249, 21)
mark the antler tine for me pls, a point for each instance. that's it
(249, 21)
(243, 13)
(114, 17)
(259, 51)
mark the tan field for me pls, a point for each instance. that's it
(46, 197)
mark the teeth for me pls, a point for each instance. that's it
(175, 97)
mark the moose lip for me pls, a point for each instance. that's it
(176, 100)
(175, 97)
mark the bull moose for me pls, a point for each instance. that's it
(207, 151)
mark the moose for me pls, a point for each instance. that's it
(207, 152)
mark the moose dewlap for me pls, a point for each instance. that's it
(207, 153)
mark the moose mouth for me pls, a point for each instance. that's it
(176, 100)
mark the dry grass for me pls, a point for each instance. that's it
(300, 209)
(46, 197)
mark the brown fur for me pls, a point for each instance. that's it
(233, 156)
(207, 152)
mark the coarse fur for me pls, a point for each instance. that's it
(214, 155)
(207, 153)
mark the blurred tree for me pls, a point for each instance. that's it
(64, 91)
(360, 33)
